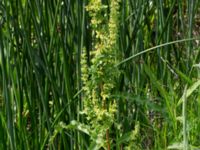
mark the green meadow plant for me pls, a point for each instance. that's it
(99, 74)
(99, 78)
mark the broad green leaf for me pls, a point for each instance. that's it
(125, 138)
(189, 91)
(78, 126)
(183, 76)
(197, 65)
(178, 146)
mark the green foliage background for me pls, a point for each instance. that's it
(99, 74)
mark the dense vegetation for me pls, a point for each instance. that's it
(99, 74)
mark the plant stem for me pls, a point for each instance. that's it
(185, 138)
(108, 139)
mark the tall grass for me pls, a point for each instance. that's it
(155, 93)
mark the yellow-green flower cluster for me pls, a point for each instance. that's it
(113, 22)
(84, 68)
(99, 78)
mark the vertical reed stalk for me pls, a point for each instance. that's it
(184, 115)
